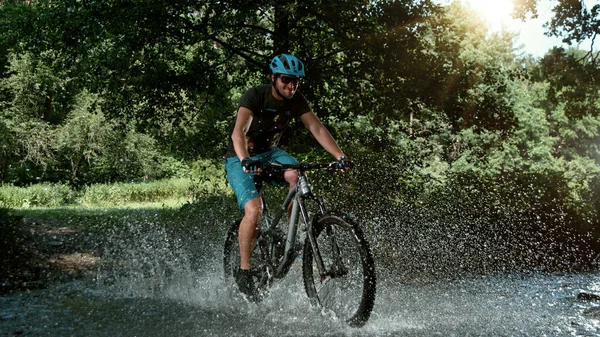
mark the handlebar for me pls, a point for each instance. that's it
(303, 166)
(276, 169)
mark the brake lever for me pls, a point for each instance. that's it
(276, 166)
(333, 167)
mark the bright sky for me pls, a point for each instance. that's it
(531, 32)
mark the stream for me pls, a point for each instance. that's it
(148, 283)
(205, 305)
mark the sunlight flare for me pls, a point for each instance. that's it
(497, 13)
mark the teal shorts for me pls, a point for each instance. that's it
(242, 183)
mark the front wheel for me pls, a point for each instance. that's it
(347, 286)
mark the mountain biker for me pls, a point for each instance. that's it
(264, 116)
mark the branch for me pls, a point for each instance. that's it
(590, 53)
(258, 28)
(594, 58)
(239, 51)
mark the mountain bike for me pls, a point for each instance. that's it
(337, 264)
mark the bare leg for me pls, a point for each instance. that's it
(248, 227)
(291, 177)
(248, 230)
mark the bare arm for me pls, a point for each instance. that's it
(321, 134)
(238, 136)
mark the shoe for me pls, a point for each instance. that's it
(245, 283)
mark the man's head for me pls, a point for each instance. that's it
(286, 72)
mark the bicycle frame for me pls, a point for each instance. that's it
(337, 266)
(297, 197)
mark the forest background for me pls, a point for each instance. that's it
(444, 118)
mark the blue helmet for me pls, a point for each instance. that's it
(287, 64)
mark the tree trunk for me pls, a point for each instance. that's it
(281, 42)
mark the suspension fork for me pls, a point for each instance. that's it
(337, 267)
(313, 240)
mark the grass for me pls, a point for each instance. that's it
(180, 204)
(172, 191)
(170, 212)
(101, 206)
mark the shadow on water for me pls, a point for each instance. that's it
(158, 272)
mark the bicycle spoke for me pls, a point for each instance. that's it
(262, 274)
(346, 259)
(339, 274)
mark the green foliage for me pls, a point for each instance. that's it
(125, 193)
(82, 140)
(37, 90)
(7, 147)
(129, 154)
(85, 147)
(44, 194)
(434, 107)
(205, 180)
(573, 81)
(208, 178)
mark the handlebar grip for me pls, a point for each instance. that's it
(333, 167)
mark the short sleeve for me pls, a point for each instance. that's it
(301, 105)
(251, 100)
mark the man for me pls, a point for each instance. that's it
(263, 117)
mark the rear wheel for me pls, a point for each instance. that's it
(261, 272)
(348, 285)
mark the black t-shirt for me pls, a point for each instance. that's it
(271, 118)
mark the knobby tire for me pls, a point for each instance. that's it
(349, 288)
(231, 259)
(231, 243)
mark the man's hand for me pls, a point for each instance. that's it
(344, 164)
(252, 166)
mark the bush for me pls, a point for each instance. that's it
(208, 181)
(45, 194)
(122, 193)
(208, 178)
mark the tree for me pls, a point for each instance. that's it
(572, 102)
(573, 21)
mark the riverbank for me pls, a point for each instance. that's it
(43, 246)
(39, 252)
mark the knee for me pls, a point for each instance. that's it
(291, 176)
(253, 209)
